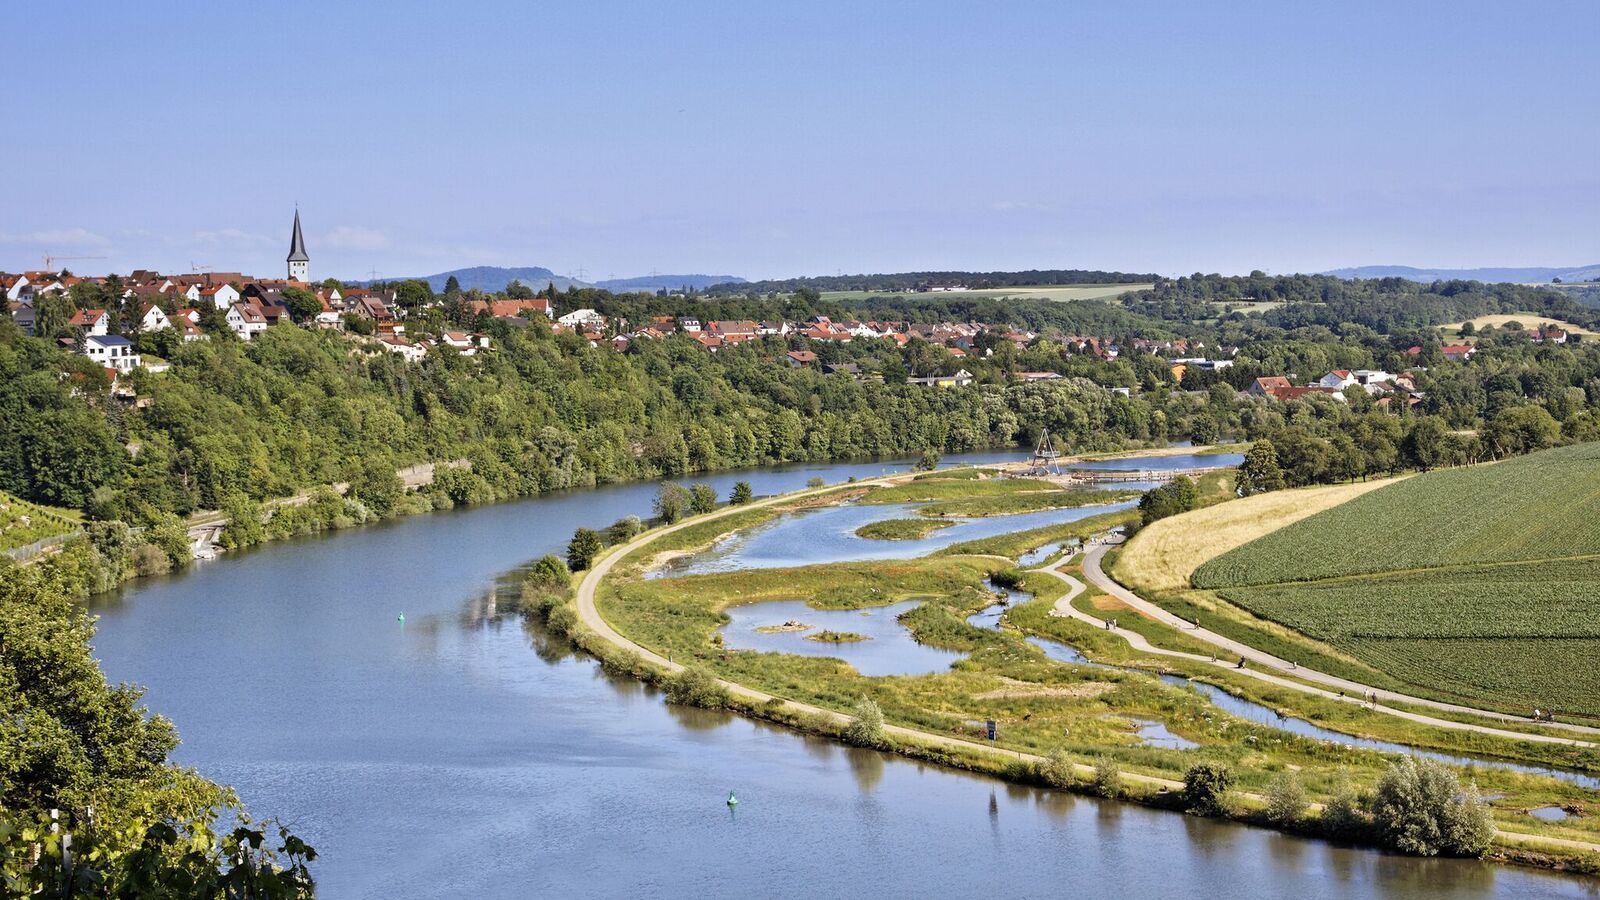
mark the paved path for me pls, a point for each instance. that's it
(1354, 690)
(589, 615)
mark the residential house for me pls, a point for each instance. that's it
(961, 378)
(23, 314)
(222, 296)
(407, 350)
(579, 318)
(801, 358)
(1338, 379)
(1038, 376)
(778, 329)
(111, 351)
(91, 321)
(246, 320)
(1267, 385)
(1458, 352)
(153, 318)
(689, 324)
(188, 329)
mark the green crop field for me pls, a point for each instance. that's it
(1481, 584)
(22, 523)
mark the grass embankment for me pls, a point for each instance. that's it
(1018, 543)
(1485, 591)
(22, 523)
(988, 496)
(900, 529)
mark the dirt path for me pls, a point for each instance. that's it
(1352, 691)
(589, 615)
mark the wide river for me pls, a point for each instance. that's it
(464, 754)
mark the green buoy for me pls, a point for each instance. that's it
(401, 618)
(732, 800)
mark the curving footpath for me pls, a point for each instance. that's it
(1097, 577)
(589, 615)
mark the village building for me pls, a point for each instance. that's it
(111, 351)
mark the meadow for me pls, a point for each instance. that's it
(900, 529)
(1529, 322)
(965, 495)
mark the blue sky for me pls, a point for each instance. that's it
(765, 139)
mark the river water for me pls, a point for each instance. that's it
(464, 754)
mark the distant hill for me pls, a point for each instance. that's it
(666, 282)
(495, 278)
(1489, 276)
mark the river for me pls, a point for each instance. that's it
(463, 754)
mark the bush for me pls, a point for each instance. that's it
(1419, 807)
(1057, 770)
(929, 461)
(583, 548)
(1342, 815)
(377, 485)
(815, 481)
(671, 501)
(550, 572)
(1205, 788)
(624, 530)
(148, 559)
(1010, 579)
(1286, 800)
(866, 729)
(1107, 780)
(702, 499)
(741, 494)
(692, 686)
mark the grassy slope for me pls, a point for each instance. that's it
(1480, 585)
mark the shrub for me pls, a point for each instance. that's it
(866, 729)
(583, 548)
(1420, 808)
(149, 559)
(1107, 780)
(1205, 788)
(929, 461)
(1010, 579)
(671, 501)
(702, 499)
(741, 494)
(1057, 770)
(550, 571)
(1286, 800)
(1342, 815)
(624, 530)
(693, 686)
(815, 481)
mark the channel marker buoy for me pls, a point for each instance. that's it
(732, 800)
(401, 618)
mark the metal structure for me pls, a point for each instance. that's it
(1046, 459)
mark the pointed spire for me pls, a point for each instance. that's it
(297, 243)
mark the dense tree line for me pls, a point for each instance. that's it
(913, 281)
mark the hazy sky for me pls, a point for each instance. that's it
(766, 139)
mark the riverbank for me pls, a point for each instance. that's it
(771, 695)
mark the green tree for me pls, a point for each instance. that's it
(1420, 807)
(624, 530)
(672, 500)
(741, 493)
(1259, 473)
(1286, 799)
(1205, 788)
(929, 461)
(377, 486)
(866, 726)
(702, 499)
(303, 305)
(585, 545)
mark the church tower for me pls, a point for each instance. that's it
(299, 262)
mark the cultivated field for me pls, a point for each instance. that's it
(1161, 557)
(1530, 322)
(1032, 292)
(1480, 584)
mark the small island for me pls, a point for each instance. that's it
(786, 627)
(901, 529)
(837, 637)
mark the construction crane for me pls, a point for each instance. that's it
(50, 261)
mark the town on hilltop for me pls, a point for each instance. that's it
(146, 308)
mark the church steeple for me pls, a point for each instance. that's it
(299, 262)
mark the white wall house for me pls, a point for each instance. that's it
(220, 295)
(92, 321)
(246, 320)
(111, 351)
(581, 317)
(154, 318)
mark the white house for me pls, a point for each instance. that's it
(1339, 379)
(689, 324)
(467, 344)
(408, 351)
(153, 318)
(246, 320)
(220, 295)
(111, 351)
(581, 317)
